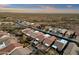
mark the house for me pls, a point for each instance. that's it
(48, 41)
(10, 41)
(10, 48)
(59, 44)
(63, 31)
(34, 34)
(47, 35)
(21, 51)
(39, 36)
(4, 38)
(70, 34)
(38, 33)
(27, 31)
(15, 49)
(7, 43)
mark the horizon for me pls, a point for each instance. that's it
(40, 8)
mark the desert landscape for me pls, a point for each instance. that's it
(68, 21)
(17, 24)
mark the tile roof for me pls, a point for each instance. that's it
(49, 40)
(27, 31)
(3, 53)
(40, 38)
(38, 33)
(10, 41)
(42, 47)
(58, 45)
(21, 51)
(4, 38)
(10, 47)
(46, 35)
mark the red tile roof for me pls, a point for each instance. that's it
(10, 41)
(27, 30)
(49, 40)
(10, 47)
(42, 47)
(39, 36)
(21, 51)
(39, 33)
(59, 45)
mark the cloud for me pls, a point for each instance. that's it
(69, 6)
(48, 7)
(43, 7)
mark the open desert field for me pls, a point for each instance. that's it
(69, 21)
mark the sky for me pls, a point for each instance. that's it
(40, 8)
